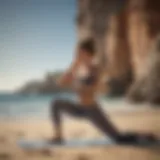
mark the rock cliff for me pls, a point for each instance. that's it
(126, 33)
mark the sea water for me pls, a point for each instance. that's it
(28, 105)
(36, 105)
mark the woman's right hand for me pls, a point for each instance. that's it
(67, 77)
(65, 80)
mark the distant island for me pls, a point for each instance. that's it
(47, 86)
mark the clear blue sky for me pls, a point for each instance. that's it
(36, 36)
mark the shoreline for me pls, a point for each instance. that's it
(129, 110)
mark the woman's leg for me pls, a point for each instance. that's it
(69, 107)
(101, 121)
(98, 118)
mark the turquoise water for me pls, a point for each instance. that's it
(16, 105)
(24, 106)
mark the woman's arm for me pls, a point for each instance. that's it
(67, 78)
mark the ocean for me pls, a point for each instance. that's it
(14, 106)
(32, 105)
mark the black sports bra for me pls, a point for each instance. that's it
(88, 79)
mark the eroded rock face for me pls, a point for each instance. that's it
(148, 87)
(153, 76)
(144, 26)
(106, 22)
(125, 33)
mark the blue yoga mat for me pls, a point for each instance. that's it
(40, 144)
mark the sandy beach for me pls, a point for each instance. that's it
(140, 121)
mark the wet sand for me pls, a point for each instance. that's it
(140, 121)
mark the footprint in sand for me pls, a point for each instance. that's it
(5, 156)
(83, 157)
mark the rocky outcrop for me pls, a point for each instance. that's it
(47, 86)
(153, 76)
(106, 22)
(143, 29)
(125, 33)
(147, 88)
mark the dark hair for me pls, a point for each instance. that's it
(88, 45)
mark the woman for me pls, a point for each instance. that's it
(83, 75)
